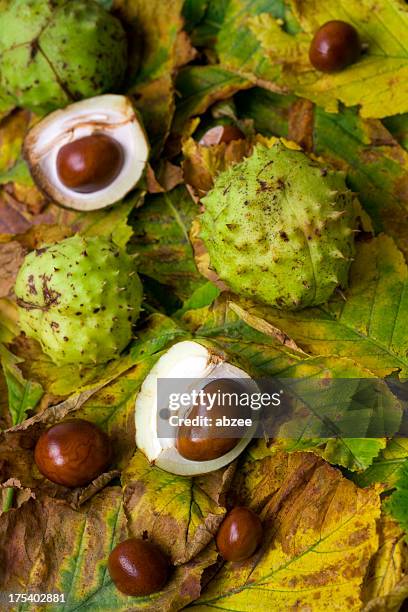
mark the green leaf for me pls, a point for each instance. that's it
(206, 18)
(386, 466)
(355, 419)
(377, 82)
(19, 173)
(367, 324)
(397, 504)
(23, 395)
(161, 239)
(269, 111)
(201, 297)
(237, 46)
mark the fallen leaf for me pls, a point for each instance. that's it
(386, 584)
(175, 511)
(319, 536)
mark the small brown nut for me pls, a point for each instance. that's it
(239, 535)
(201, 443)
(138, 567)
(73, 453)
(335, 46)
(90, 163)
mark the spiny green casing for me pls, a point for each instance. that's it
(79, 298)
(279, 228)
(53, 52)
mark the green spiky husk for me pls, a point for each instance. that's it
(279, 228)
(79, 299)
(54, 52)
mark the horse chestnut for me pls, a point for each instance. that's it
(200, 443)
(239, 535)
(89, 163)
(138, 567)
(221, 133)
(72, 453)
(335, 45)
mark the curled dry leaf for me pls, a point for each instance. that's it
(202, 163)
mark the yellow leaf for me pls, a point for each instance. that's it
(386, 584)
(320, 533)
(378, 81)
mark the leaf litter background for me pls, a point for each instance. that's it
(335, 511)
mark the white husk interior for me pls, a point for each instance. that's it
(112, 114)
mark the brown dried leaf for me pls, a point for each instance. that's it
(301, 123)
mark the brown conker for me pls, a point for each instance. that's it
(221, 133)
(239, 535)
(200, 443)
(90, 163)
(335, 45)
(73, 453)
(138, 567)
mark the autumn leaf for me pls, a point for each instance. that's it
(386, 584)
(199, 87)
(176, 511)
(154, 29)
(345, 420)
(202, 164)
(23, 396)
(63, 550)
(319, 536)
(161, 239)
(376, 82)
(112, 408)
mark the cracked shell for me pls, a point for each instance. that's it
(195, 364)
(54, 52)
(111, 116)
(79, 299)
(279, 228)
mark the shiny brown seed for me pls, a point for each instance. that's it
(138, 567)
(200, 443)
(221, 133)
(239, 535)
(335, 46)
(89, 163)
(73, 453)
